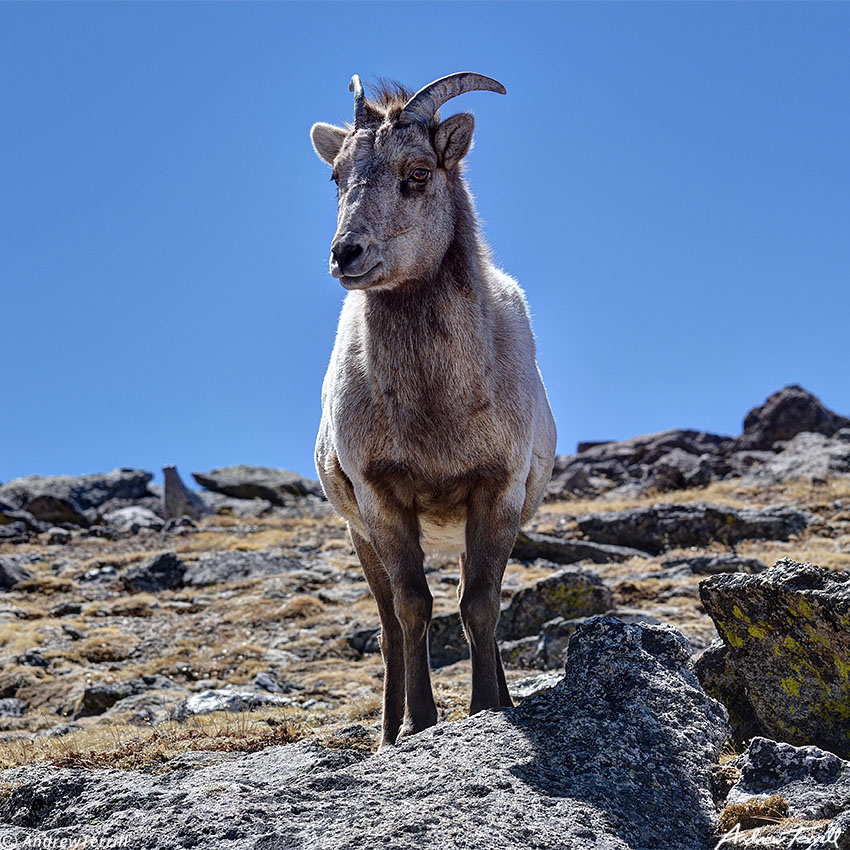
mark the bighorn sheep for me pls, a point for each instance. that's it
(436, 432)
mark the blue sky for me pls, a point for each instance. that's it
(670, 183)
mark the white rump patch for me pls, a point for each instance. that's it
(443, 536)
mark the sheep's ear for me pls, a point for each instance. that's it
(453, 138)
(327, 140)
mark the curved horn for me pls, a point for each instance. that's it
(422, 106)
(359, 102)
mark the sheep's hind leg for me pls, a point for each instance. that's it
(491, 530)
(391, 640)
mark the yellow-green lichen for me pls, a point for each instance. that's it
(791, 687)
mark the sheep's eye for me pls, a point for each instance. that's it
(419, 175)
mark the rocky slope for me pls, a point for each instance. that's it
(202, 667)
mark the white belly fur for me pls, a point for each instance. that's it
(441, 536)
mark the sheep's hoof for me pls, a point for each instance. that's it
(412, 728)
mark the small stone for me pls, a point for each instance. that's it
(32, 658)
(163, 572)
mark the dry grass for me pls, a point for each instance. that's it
(732, 493)
(754, 813)
(301, 607)
(105, 644)
(130, 748)
(46, 585)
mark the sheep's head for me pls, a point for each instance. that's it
(394, 170)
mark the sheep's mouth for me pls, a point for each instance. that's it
(362, 281)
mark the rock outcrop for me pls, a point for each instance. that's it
(807, 457)
(76, 499)
(617, 756)
(530, 546)
(787, 638)
(258, 482)
(682, 459)
(667, 525)
(785, 414)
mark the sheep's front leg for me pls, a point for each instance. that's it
(391, 640)
(491, 528)
(396, 541)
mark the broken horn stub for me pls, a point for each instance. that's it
(359, 101)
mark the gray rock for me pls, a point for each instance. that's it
(270, 682)
(12, 707)
(14, 532)
(131, 520)
(807, 457)
(655, 528)
(32, 658)
(743, 462)
(532, 686)
(366, 640)
(178, 499)
(147, 708)
(98, 698)
(74, 499)
(706, 565)
(10, 515)
(815, 783)
(568, 593)
(715, 668)
(530, 546)
(228, 699)
(258, 482)
(64, 609)
(234, 566)
(218, 503)
(788, 633)
(616, 757)
(58, 536)
(679, 469)
(12, 573)
(160, 573)
(600, 467)
(785, 414)
(547, 650)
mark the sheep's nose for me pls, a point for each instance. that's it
(347, 249)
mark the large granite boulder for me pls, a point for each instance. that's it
(617, 756)
(787, 633)
(785, 414)
(655, 528)
(258, 482)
